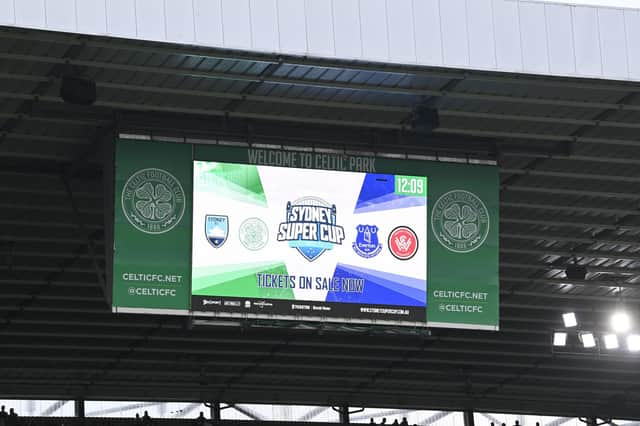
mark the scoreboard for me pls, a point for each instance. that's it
(224, 231)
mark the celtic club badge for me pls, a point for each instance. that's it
(153, 201)
(460, 221)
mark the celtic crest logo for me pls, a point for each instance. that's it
(460, 221)
(153, 201)
(254, 234)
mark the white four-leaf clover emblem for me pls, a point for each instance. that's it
(460, 223)
(153, 203)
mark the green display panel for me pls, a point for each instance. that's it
(228, 231)
(152, 229)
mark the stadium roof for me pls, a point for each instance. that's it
(569, 156)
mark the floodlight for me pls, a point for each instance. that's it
(559, 338)
(633, 342)
(611, 341)
(569, 319)
(588, 341)
(620, 322)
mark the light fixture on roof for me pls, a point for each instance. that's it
(588, 340)
(633, 342)
(569, 319)
(620, 322)
(559, 338)
(611, 341)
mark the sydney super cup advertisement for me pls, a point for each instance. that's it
(308, 242)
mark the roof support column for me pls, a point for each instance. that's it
(468, 418)
(215, 411)
(344, 414)
(78, 407)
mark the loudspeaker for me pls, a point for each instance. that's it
(78, 91)
(425, 119)
(576, 272)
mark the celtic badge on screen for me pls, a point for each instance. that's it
(460, 221)
(310, 227)
(253, 234)
(153, 201)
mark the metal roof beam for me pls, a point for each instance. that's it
(578, 223)
(66, 120)
(595, 254)
(571, 175)
(596, 158)
(48, 208)
(570, 297)
(68, 326)
(570, 208)
(432, 377)
(223, 113)
(27, 223)
(572, 191)
(633, 242)
(54, 283)
(521, 345)
(508, 264)
(43, 138)
(537, 136)
(259, 98)
(37, 268)
(35, 156)
(96, 194)
(541, 119)
(564, 281)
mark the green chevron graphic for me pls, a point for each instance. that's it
(239, 280)
(239, 182)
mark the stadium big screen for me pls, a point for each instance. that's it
(224, 231)
(290, 241)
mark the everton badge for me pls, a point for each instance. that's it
(366, 244)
